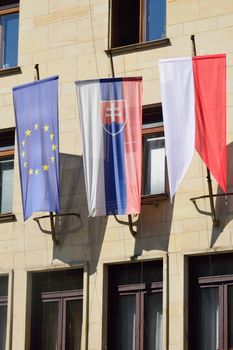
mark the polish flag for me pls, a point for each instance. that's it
(193, 91)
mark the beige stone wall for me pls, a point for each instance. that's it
(69, 38)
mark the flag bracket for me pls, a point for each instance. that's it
(130, 223)
(51, 216)
(194, 200)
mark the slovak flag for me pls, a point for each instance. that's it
(193, 91)
(110, 113)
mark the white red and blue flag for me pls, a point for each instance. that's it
(110, 113)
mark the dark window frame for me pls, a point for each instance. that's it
(141, 43)
(153, 112)
(12, 8)
(61, 286)
(222, 283)
(139, 290)
(61, 297)
(215, 277)
(7, 154)
(4, 302)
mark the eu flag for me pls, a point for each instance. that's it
(36, 114)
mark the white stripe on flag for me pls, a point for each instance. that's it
(177, 92)
(92, 141)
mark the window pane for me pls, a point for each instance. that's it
(125, 22)
(208, 322)
(3, 319)
(155, 19)
(73, 324)
(50, 325)
(126, 322)
(151, 271)
(3, 286)
(10, 42)
(6, 185)
(230, 316)
(153, 165)
(58, 280)
(153, 322)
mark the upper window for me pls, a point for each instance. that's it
(135, 306)
(56, 315)
(211, 302)
(7, 139)
(135, 21)
(9, 23)
(153, 169)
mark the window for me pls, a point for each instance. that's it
(9, 23)
(135, 306)
(135, 21)
(153, 173)
(7, 139)
(211, 302)
(3, 310)
(56, 316)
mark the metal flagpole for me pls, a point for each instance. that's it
(51, 214)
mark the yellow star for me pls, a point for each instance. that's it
(23, 143)
(36, 126)
(36, 172)
(51, 136)
(23, 154)
(45, 167)
(28, 132)
(46, 128)
(52, 159)
(25, 164)
(54, 147)
(31, 171)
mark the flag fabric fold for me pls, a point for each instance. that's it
(110, 113)
(193, 91)
(36, 114)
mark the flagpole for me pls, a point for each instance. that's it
(51, 215)
(209, 180)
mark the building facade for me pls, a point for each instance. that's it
(164, 282)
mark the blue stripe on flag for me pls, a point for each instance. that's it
(111, 90)
(114, 162)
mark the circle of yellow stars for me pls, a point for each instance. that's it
(44, 167)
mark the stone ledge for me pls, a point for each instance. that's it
(8, 217)
(10, 71)
(138, 47)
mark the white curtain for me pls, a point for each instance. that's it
(208, 322)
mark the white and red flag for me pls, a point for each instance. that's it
(193, 91)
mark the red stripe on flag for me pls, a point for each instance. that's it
(132, 92)
(210, 110)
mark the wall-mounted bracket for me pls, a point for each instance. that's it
(52, 223)
(130, 223)
(212, 213)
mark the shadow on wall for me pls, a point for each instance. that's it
(224, 204)
(154, 227)
(80, 238)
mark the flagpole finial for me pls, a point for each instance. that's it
(36, 67)
(194, 51)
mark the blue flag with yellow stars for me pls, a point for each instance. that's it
(36, 114)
